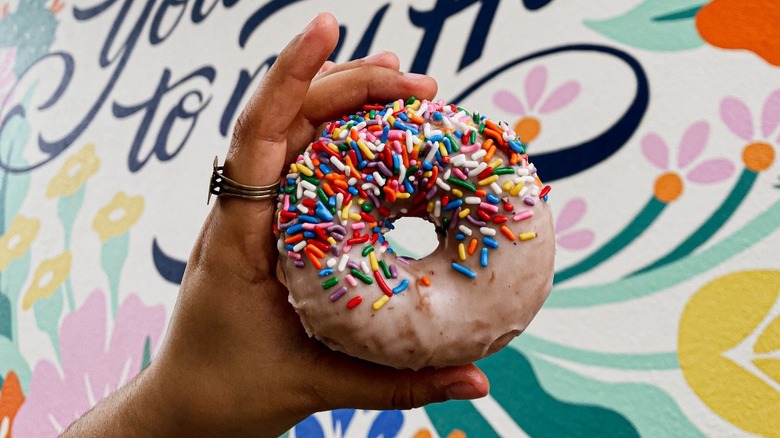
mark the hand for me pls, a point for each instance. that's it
(236, 360)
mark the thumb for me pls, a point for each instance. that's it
(367, 386)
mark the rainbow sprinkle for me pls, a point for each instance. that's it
(408, 158)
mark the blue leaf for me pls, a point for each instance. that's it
(660, 25)
(341, 419)
(386, 425)
(5, 316)
(309, 428)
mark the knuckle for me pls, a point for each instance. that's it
(405, 395)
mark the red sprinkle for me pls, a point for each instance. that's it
(499, 219)
(356, 240)
(382, 285)
(508, 206)
(354, 302)
(545, 190)
(483, 214)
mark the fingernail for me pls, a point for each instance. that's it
(461, 391)
(415, 76)
(374, 57)
(310, 24)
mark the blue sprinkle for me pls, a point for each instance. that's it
(325, 168)
(385, 133)
(436, 138)
(324, 132)
(322, 212)
(389, 225)
(401, 125)
(325, 272)
(437, 116)
(448, 145)
(289, 247)
(295, 229)
(427, 166)
(369, 177)
(452, 205)
(491, 198)
(464, 270)
(309, 234)
(403, 117)
(516, 146)
(396, 162)
(489, 241)
(408, 185)
(545, 198)
(483, 258)
(458, 134)
(460, 236)
(290, 181)
(352, 190)
(332, 201)
(308, 219)
(363, 164)
(401, 287)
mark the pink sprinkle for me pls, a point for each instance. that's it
(522, 215)
(486, 206)
(294, 255)
(356, 226)
(459, 173)
(395, 134)
(351, 280)
(370, 137)
(346, 248)
(471, 148)
(286, 203)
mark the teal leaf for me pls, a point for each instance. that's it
(47, 317)
(12, 360)
(642, 404)
(67, 209)
(6, 317)
(459, 415)
(11, 283)
(146, 359)
(112, 257)
(14, 186)
(660, 25)
(31, 30)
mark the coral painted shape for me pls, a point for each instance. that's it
(742, 24)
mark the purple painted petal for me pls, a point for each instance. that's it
(561, 97)
(711, 171)
(654, 148)
(535, 83)
(83, 336)
(770, 114)
(571, 213)
(736, 115)
(509, 102)
(576, 240)
(693, 142)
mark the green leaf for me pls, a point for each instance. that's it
(67, 209)
(6, 317)
(112, 257)
(47, 317)
(31, 29)
(660, 25)
(12, 360)
(146, 359)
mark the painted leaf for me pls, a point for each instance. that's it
(113, 255)
(386, 425)
(562, 96)
(14, 361)
(571, 213)
(655, 150)
(31, 28)
(341, 419)
(660, 25)
(770, 114)
(309, 428)
(693, 142)
(535, 83)
(736, 115)
(47, 316)
(5, 316)
(576, 240)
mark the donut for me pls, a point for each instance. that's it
(461, 171)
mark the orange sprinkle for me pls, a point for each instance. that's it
(507, 232)
(294, 238)
(314, 260)
(373, 128)
(353, 134)
(314, 250)
(489, 154)
(425, 281)
(472, 246)
(327, 189)
(487, 144)
(514, 158)
(417, 119)
(340, 183)
(481, 193)
(318, 173)
(492, 125)
(389, 194)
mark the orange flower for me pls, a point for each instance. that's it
(11, 399)
(742, 24)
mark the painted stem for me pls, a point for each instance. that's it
(634, 229)
(711, 226)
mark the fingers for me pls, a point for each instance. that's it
(382, 59)
(363, 385)
(257, 152)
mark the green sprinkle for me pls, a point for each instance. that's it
(385, 269)
(475, 117)
(367, 207)
(411, 100)
(503, 171)
(473, 137)
(322, 195)
(368, 249)
(343, 146)
(310, 179)
(293, 199)
(453, 143)
(462, 184)
(329, 283)
(445, 223)
(371, 114)
(482, 127)
(291, 189)
(361, 276)
(411, 170)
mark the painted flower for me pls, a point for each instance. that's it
(17, 239)
(336, 424)
(7, 75)
(11, 398)
(116, 217)
(759, 153)
(56, 6)
(95, 362)
(74, 173)
(49, 276)
(742, 24)
(529, 126)
(669, 186)
(571, 214)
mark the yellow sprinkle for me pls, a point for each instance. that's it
(526, 236)
(332, 241)
(488, 180)
(391, 119)
(361, 201)
(457, 193)
(345, 210)
(427, 174)
(442, 150)
(372, 259)
(416, 105)
(507, 186)
(463, 213)
(366, 151)
(430, 207)
(396, 106)
(293, 169)
(462, 251)
(336, 133)
(517, 188)
(402, 195)
(380, 302)
(333, 147)
(303, 169)
(355, 217)
(495, 163)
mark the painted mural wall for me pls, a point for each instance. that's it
(657, 122)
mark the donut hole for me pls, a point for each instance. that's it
(412, 237)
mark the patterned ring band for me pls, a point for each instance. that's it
(221, 185)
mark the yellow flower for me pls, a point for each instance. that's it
(50, 275)
(74, 173)
(17, 239)
(116, 217)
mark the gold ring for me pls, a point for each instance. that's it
(223, 186)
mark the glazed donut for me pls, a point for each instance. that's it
(467, 175)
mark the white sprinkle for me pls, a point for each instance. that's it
(331, 262)
(339, 201)
(343, 134)
(308, 186)
(352, 181)
(478, 154)
(496, 188)
(427, 130)
(474, 172)
(307, 160)
(336, 162)
(372, 187)
(401, 173)
(437, 208)
(379, 179)
(465, 230)
(343, 262)
(471, 164)
(522, 171)
(309, 194)
(299, 246)
(432, 152)
(409, 143)
(299, 191)
(473, 200)
(447, 174)
(364, 267)
(487, 231)
(443, 185)
(302, 208)
(458, 160)
(535, 190)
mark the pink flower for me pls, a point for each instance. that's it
(669, 185)
(92, 368)
(528, 127)
(759, 154)
(570, 216)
